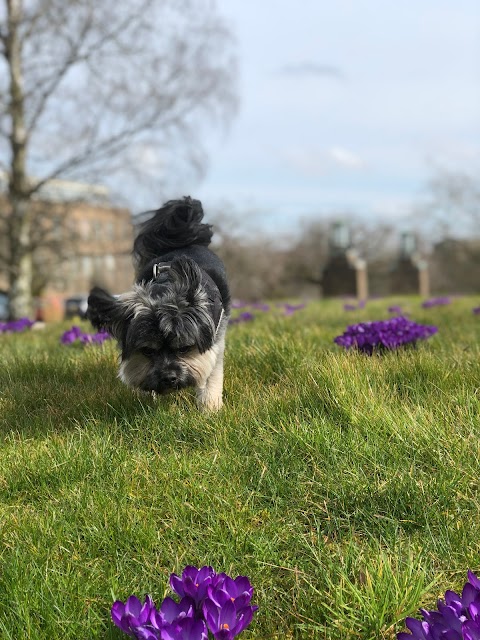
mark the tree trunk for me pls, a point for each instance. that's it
(20, 295)
(18, 188)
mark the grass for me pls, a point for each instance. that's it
(345, 487)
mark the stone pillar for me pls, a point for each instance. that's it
(361, 279)
(424, 278)
(345, 273)
(409, 275)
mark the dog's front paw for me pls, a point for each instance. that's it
(209, 402)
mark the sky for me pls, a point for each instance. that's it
(346, 107)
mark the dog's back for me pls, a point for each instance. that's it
(175, 230)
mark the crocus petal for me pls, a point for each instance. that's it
(192, 629)
(242, 601)
(177, 585)
(472, 578)
(474, 609)
(469, 594)
(118, 616)
(219, 596)
(144, 633)
(418, 628)
(133, 607)
(244, 619)
(169, 610)
(471, 630)
(223, 634)
(243, 584)
(227, 616)
(452, 599)
(211, 614)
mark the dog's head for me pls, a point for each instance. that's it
(166, 328)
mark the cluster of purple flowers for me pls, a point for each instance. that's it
(476, 311)
(246, 316)
(209, 602)
(75, 334)
(348, 306)
(436, 302)
(290, 309)
(384, 334)
(457, 616)
(395, 308)
(15, 326)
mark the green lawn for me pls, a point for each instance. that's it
(345, 487)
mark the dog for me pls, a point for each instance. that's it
(171, 326)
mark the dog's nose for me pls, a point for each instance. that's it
(169, 379)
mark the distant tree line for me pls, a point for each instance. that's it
(447, 232)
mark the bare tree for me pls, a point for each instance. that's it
(451, 207)
(91, 87)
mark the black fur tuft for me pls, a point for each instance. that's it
(104, 311)
(175, 225)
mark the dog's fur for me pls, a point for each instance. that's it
(171, 326)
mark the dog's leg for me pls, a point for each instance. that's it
(209, 396)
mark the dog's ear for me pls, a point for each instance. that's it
(105, 311)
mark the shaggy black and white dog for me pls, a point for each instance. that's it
(171, 326)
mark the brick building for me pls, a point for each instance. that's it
(83, 240)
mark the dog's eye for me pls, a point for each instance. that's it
(147, 351)
(185, 349)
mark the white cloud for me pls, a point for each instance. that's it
(345, 158)
(409, 98)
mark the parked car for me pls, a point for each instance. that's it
(76, 306)
(3, 305)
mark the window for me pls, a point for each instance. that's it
(87, 267)
(109, 262)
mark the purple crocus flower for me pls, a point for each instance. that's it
(260, 306)
(75, 334)
(226, 621)
(436, 302)
(384, 335)
(132, 616)
(476, 311)
(349, 307)
(208, 601)
(245, 316)
(395, 308)
(193, 583)
(457, 616)
(19, 325)
(146, 633)
(291, 308)
(238, 590)
(16, 326)
(100, 337)
(71, 335)
(172, 612)
(186, 629)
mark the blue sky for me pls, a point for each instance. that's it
(345, 106)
